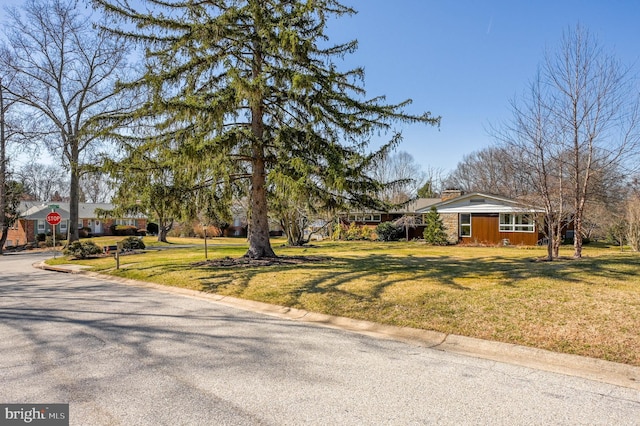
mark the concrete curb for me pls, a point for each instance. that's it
(572, 365)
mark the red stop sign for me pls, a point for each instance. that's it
(54, 218)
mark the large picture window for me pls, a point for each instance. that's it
(510, 222)
(465, 225)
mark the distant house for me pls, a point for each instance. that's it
(33, 215)
(474, 218)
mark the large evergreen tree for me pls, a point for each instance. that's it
(250, 89)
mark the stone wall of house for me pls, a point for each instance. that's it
(450, 222)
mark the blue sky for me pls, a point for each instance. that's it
(466, 59)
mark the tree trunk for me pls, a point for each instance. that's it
(3, 237)
(162, 234)
(3, 174)
(292, 228)
(259, 244)
(74, 192)
(557, 237)
(164, 226)
(550, 236)
(577, 235)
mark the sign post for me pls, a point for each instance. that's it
(54, 219)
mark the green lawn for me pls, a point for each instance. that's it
(589, 307)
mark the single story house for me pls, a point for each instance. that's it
(33, 220)
(474, 218)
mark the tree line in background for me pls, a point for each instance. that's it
(183, 110)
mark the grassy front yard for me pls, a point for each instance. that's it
(589, 307)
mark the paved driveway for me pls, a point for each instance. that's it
(125, 355)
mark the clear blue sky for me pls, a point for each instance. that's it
(466, 59)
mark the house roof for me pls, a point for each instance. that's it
(477, 202)
(416, 204)
(38, 210)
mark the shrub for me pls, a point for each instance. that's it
(355, 232)
(152, 228)
(339, 232)
(123, 230)
(82, 249)
(133, 243)
(41, 237)
(387, 231)
(352, 232)
(434, 233)
(48, 241)
(84, 233)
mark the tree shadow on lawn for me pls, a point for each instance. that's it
(333, 276)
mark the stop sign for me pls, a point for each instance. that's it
(54, 218)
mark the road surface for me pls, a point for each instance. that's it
(127, 355)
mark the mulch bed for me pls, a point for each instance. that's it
(229, 262)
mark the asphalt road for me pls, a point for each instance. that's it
(127, 355)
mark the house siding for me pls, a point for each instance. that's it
(485, 229)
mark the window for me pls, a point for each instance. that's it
(41, 227)
(130, 222)
(63, 225)
(516, 222)
(364, 217)
(465, 225)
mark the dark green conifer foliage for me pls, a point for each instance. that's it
(434, 233)
(249, 89)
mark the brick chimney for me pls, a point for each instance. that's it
(448, 194)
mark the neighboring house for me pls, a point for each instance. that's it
(33, 221)
(475, 218)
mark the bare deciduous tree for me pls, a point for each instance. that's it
(4, 105)
(489, 170)
(400, 175)
(9, 131)
(65, 77)
(531, 139)
(95, 188)
(594, 107)
(41, 182)
(572, 132)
